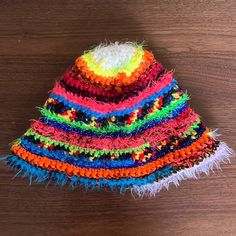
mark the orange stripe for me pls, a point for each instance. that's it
(139, 171)
(120, 78)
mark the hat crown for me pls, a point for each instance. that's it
(114, 56)
(115, 63)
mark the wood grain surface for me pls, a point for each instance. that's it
(40, 39)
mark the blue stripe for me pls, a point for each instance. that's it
(65, 127)
(83, 161)
(40, 175)
(114, 113)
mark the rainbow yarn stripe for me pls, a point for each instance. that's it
(117, 120)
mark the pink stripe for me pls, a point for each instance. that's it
(152, 135)
(109, 107)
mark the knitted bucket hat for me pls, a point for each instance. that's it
(117, 120)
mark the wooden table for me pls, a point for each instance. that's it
(40, 39)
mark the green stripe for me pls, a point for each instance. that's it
(112, 128)
(192, 128)
(98, 153)
(94, 152)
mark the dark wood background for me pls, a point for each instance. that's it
(40, 39)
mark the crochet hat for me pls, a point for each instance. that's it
(117, 120)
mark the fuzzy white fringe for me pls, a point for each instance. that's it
(222, 154)
(113, 55)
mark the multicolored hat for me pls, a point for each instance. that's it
(117, 120)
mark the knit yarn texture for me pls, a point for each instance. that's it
(117, 120)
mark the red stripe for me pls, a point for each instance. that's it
(154, 135)
(102, 107)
